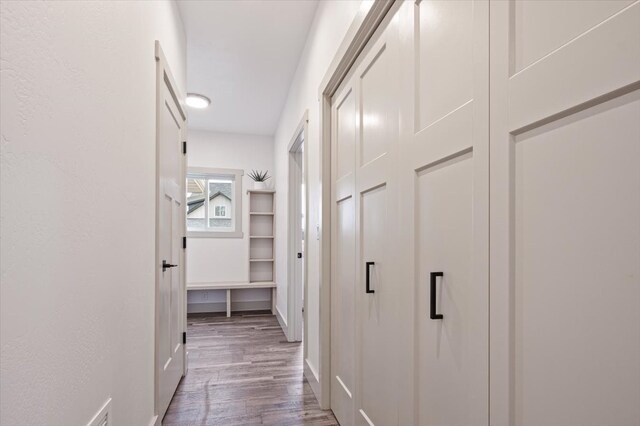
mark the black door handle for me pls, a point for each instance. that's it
(433, 295)
(166, 265)
(368, 283)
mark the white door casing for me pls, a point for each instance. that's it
(565, 209)
(297, 230)
(170, 315)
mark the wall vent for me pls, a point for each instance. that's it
(103, 417)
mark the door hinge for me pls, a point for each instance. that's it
(184, 242)
(184, 337)
(184, 147)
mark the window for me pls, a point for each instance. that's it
(214, 202)
(220, 211)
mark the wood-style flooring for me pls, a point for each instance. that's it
(242, 371)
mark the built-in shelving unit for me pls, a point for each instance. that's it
(261, 236)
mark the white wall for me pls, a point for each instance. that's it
(78, 136)
(226, 259)
(330, 25)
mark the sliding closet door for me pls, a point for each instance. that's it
(446, 204)
(565, 213)
(365, 287)
(376, 224)
(343, 254)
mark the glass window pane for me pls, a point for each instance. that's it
(196, 189)
(221, 205)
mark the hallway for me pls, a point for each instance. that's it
(242, 371)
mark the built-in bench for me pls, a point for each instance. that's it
(236, 286)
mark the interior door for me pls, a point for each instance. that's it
(565, 213)
(445, 206)
(376, 201)
(170, 290)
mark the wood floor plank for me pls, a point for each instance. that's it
(242, 371)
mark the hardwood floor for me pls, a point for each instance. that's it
(242, 371)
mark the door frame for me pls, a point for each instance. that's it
(295, 298)
(364, 24)
(163, 72)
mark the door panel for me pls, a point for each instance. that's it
(377, 205)
(377, 357)
(344, 316)
(565, 196)
(543, 26)
(444, 44)
(577, 261)
(445, 237)
(444, 202)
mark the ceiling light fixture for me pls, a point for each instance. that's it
(195, 100)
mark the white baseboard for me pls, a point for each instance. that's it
(282, 322)
(313, 379)
(155, 421)
(258, 305)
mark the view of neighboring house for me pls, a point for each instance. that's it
(219, 208)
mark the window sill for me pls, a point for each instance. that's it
(213, 234)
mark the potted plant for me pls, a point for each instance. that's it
(259, 178)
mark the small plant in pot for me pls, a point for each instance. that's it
(259, 178)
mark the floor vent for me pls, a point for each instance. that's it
(103, 417)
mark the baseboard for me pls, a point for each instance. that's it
(257, 305)
(282, 322)
(312, 377)
(155, 421)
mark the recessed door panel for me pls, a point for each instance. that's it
(445, 246)
(377, 356)
(541, 26)
(444, 63)
(378, 112)
(343, 316)
(345, 118)
(577, 269)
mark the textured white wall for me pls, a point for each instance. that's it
(330, 25)
(78, 136)
(226, 259)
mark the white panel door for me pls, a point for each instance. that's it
(445, 206)
(170, 291)
(565, 213)
(376, 189)
(343, 252)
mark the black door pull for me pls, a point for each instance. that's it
(368, 289)
(166, 265)
(433, 295)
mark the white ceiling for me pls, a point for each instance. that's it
(242, 55)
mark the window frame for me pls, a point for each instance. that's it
(208, 173)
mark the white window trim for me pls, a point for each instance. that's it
(209, 173)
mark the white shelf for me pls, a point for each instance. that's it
(232, 285)
(261, 191)
(262, 233)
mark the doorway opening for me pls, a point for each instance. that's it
(297, 233)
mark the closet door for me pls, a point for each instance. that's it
(376, 191)
(343, 254)
(565, 213)
(445, 196)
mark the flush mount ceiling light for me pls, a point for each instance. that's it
(195, 100)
